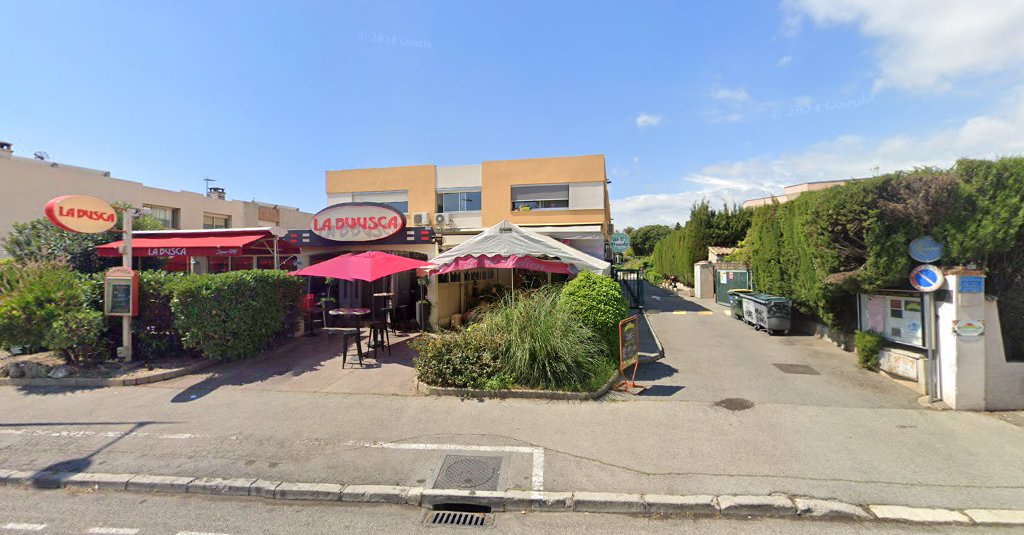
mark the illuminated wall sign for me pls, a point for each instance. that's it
(79, 213)
(357, 221)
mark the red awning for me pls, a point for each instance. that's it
(239, 244)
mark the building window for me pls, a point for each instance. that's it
(399, 200)
(459, 201)
(546, 197)
(214, 221)
(168, 217)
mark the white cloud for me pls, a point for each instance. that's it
(784, 61)
(926, 44)
(645, 119)
(848, 156)
(802, 102)
(738, 95)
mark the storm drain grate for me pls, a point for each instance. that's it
(796, 369)
(469, 472)
(460, 519)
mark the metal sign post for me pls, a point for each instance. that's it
(125, 350)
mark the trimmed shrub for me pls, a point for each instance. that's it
(868, 345)
(234, 315)
(155, 332)
(654, 277)
(597, 302)
(80, 336)
(456, 359)
(32, 298)
(676, 253)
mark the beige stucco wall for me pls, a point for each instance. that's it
(499, 177)
(418, 180)
(27, 184)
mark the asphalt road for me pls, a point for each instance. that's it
(843, 433)
(60, 512)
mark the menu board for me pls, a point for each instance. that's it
(629, 342)
(119, 297)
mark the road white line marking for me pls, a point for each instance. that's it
(199, 533)
(114, 531)
(656, 298)
(538, 454)
(19, 526)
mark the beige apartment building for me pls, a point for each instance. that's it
(26, 184)
(564, 197)
(794, 191)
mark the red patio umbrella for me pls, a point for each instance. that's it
(368, 266)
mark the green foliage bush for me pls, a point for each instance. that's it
(868, 345)
(677, 252)
(823, 247)
(598, 302)
(156, 334)
(654, 277)
(526, 339)
(79, 336)
(33, 297)
(234, 315)
(456, 359)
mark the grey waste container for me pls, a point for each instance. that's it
(768, 312)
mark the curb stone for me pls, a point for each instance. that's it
(375, 494)
(918, 514)
(513, 500)
(224, 487)
(671, 504)
(308, 491)
(98, 481)
(828, 509)
(773, 505)
(489, 498)
(264, 488)
(160, 483)
(99, 382)
(608, 502)
(536, 500)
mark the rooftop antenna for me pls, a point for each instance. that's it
(41, 155)
(208, 180)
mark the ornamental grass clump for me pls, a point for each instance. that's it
(540, 344)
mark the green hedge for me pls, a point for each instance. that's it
(823, 247)
(676, 253)
(234, 315)
(598, 302)
(868, 345)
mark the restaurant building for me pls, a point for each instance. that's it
(564, 198)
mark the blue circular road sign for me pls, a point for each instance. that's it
(925, 249)
(927, 278)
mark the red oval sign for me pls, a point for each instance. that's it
(80, 213)
(357, 221)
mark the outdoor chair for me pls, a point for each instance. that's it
(347, 333)
(379, 337)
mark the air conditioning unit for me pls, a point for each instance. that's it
(421, 219)
(442, 219)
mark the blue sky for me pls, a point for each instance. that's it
(720, 100)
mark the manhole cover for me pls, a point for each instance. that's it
(796, 369)
(735, 404)
(469, 472)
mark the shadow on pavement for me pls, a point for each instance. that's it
(294, 358)
(54, 475)
(661, 390)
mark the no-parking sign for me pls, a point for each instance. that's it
(927, 278)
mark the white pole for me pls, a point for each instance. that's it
(126, 260)
(277, 260)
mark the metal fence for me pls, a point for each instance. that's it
(632, 282)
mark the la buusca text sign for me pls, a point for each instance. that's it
(80, 213)
(357, 222)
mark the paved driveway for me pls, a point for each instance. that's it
(709, 356)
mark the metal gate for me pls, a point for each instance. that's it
(632, 282)
(730, 279)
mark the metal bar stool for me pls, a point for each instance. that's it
(379, 337)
